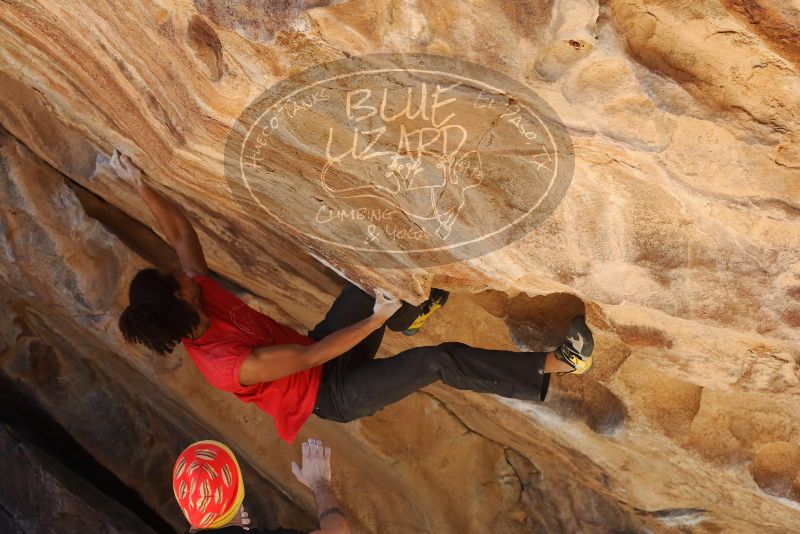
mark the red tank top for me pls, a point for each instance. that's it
(235, 330)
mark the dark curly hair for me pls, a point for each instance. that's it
(156, 317)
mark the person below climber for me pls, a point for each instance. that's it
(209, 488)
(332, 372)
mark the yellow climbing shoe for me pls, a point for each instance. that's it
(436, 300)
(577, 349)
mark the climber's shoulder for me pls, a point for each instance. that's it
(192, 273)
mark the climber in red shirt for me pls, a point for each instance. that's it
(331, 372)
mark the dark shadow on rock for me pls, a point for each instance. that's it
(130, 431)
(21, 413)
(643, 335)
(776, 469)
(584, 399)
(136, 236)
(207, 46)
(541, 323)
(537, 323)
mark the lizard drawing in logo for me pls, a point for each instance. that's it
(428, 184)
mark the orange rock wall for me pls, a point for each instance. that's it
(678, 237)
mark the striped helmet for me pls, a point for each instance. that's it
(208, 485)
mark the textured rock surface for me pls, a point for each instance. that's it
(679, 237)
(57, 351)
(48, 499)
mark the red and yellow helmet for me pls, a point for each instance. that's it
(208, 484)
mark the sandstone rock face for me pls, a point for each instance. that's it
(54, 501)
(57, 353)
(678, 236)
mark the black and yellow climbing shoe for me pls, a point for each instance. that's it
(435, 301)
(577, 349)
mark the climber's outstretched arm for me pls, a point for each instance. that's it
(170, 218)
(266, 364)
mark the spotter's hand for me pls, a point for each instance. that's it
(316, 464)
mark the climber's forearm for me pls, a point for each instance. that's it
(344, 339)
(168, 215)
(329, 512)
(272, 362)
(177, 228)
